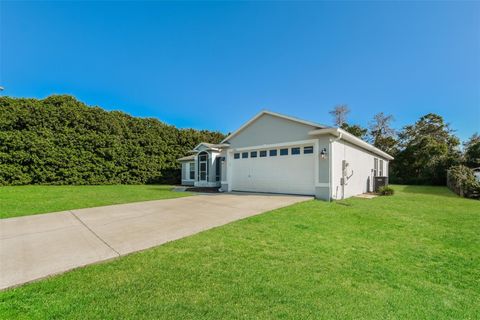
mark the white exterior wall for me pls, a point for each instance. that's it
(186, 181)
(225, 170)
(359, 173)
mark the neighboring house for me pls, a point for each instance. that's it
(275, 153)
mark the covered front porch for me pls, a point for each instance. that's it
(204, 167)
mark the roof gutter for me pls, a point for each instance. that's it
(342, 134)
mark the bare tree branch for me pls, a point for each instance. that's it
(339, 114)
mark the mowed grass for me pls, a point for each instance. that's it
(27, 200)
(415, 255)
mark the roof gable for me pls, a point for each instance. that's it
(203, 146)
(313, 125)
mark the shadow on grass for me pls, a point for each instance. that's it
(343, 203)
(441, 191)
(161, 187)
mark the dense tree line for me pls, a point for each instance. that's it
(423, 151)
(60, 140)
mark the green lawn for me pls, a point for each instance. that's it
(27, 200)
(415, 255)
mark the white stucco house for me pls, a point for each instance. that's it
(275, 153)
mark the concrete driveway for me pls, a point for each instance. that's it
(37, 246)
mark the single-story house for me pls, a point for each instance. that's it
(275, 153)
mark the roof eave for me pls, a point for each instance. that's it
(211, 146)
(352, 139)
(186, 159)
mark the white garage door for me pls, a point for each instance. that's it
(292, 173)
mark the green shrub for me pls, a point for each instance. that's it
(60, 140)
(386, 191)
(462, 181)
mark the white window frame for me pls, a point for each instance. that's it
(191, 169)
(200, 162)
(375, 167)
(312, 148)
(297, 148)
(380, 171)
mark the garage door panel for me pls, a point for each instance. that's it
(282, 174)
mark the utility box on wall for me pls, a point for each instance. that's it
(379, 182)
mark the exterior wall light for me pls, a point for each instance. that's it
(323, 153)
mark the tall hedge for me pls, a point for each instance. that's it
(60, 140)
(462, 181)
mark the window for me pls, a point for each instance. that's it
(381, 168)
(284, 152)
(263, 153)
(307, 150)
(218, 169)
(192, 170)
(253, 154)
(236, 155)
(244, 155)
(273, 153)
(375, 167)
(203, 171)
(202, 167)
(296, 150)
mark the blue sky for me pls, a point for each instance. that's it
(214, 65)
